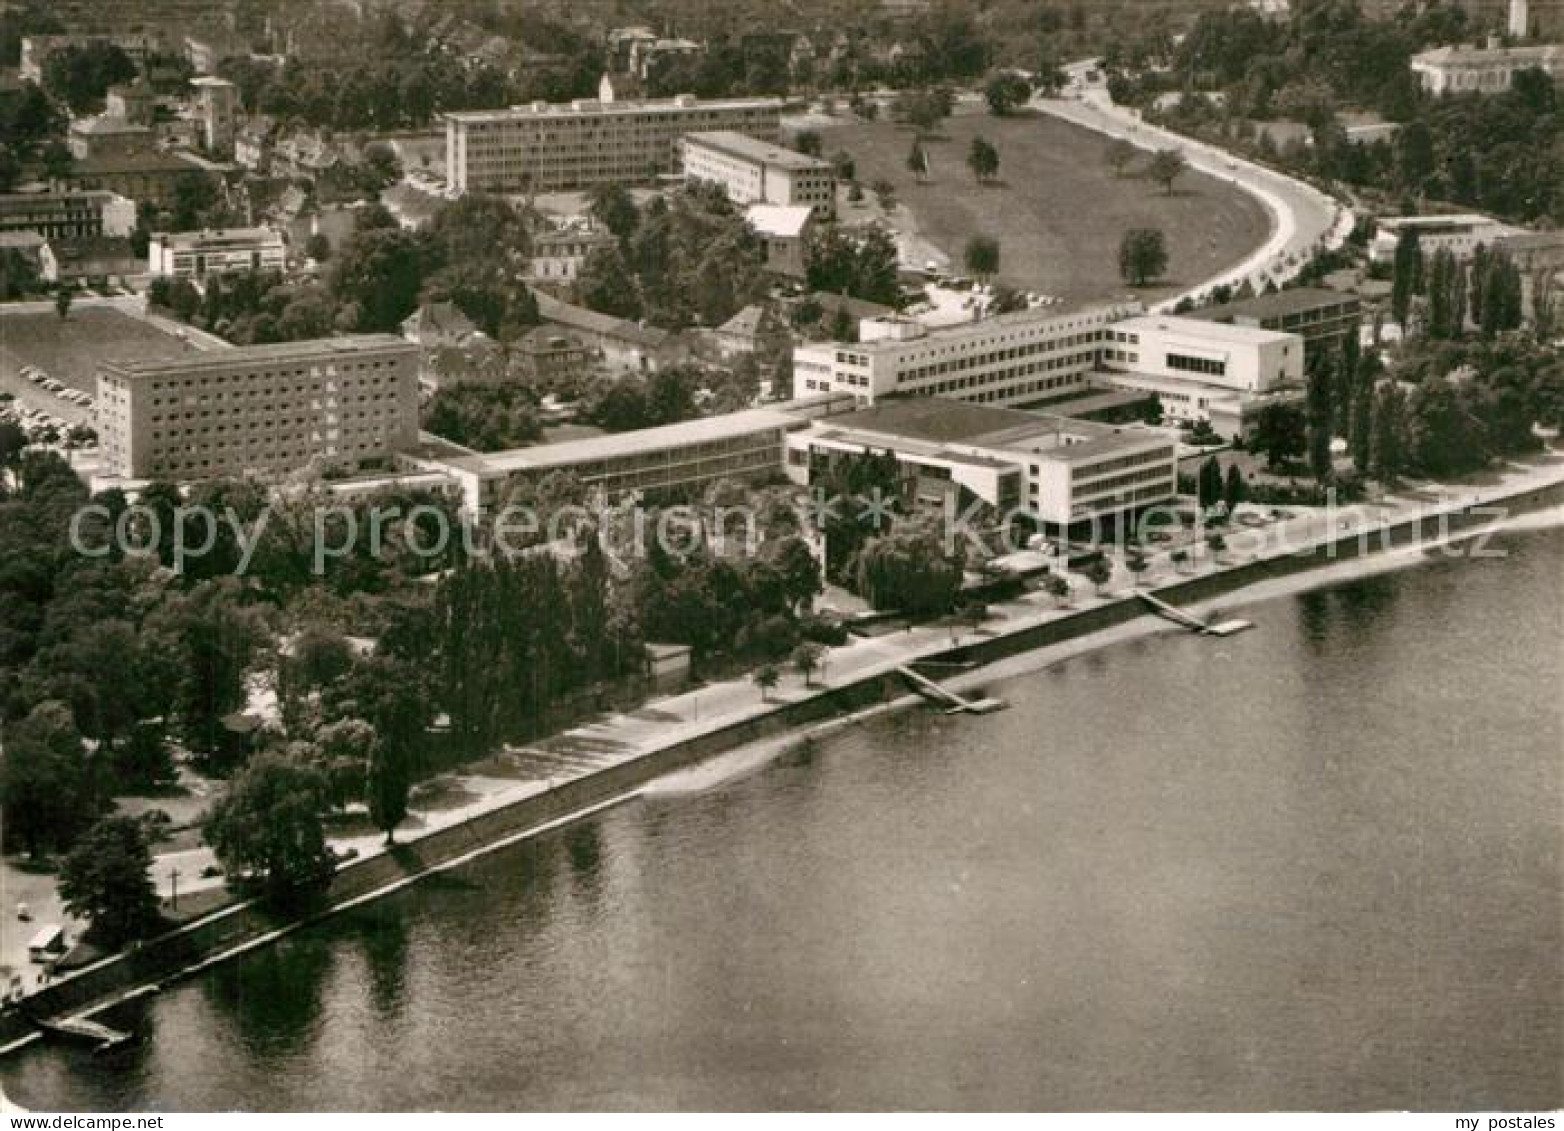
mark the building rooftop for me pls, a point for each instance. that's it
(30, 201)
(959, 331)
(216, 236)
(706, 429)
(277, 352)
(1215, 332)
(551, 309)
(148, 162)
(105, 126)
(210, 81)
(738, 145)
(780, 221)
(1277, 304)
(1472, 55)
(591, 106)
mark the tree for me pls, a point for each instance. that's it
(62, 302)
(982, 256)
(389, 784)
(1407, 275)
(1004, 92)
(845, 168)
(807, 659)
(1234, 489)
(1057, 586)
(908, 569)
(983, 160)
(1361, 438)
(380, 271)
(1386, 456)
(106, 880)
(1098, 572)
(1143, 255)
(1208, 483)
(1119, 155)
(45, 791)
(268, 827)
(917, 160)
(605, 284)
(1165, 167)
(318, 247)
(1319, 414)
(1280, 434)
(612, 206)
(807, 142)
(766, 678)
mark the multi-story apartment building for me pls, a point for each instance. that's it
(548, 147)
(1013, 359)
(1061, 471)
(195, 255)
(1487, 70)
(758, 172)
(1193, 366)
(69, 215)
(1323, 319)
(266, 410)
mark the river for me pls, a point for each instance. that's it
(1314, 866)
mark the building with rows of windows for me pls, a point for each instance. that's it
(1012, 359)
(758, 172)
(552, 147)
(340, 403)
(1061, 472)
(195, 255)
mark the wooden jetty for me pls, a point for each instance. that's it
(1192, 622)
(944, 697)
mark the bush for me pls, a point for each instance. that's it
(823, 630)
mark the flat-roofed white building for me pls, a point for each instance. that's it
(656, 462)
(1487, 70)
(556, 146)
(1013, 359)
(1061, 471)
(751, 171)
(349, 402)
(1192, 364)
(195, 255)
(1459, 234)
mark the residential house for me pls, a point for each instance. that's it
(785, 230)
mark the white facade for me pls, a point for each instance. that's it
(551, 147)
(1459, 235)
(1193, 365)
(218, 103)
(1058, 470)
(1013, 359)
(757, 172)
(1489, 70)
(195, 255)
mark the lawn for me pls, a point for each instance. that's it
(71, 350)
(1056, 208)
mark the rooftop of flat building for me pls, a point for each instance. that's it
(584, 107)
(542, 457)
(749, 149)
(219, 236)
(317, 349)
(959, 331)
(1219, 333)
(1276, 304)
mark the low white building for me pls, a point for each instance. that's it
(752, 171)
(785, 230)
(195, 255)
(1194, 366)
(1459, 234)
(1487, 70)
(1061, 471)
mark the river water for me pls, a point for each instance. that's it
(1316, 865)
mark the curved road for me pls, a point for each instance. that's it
(1306, 220)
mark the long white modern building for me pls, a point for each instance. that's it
(1012, 359)
(553, 146)
(1061, 472)
(1489, 70)
(1194, 366)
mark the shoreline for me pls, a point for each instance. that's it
(702, 754)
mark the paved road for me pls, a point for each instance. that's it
(1305, 219)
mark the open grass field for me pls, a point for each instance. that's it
(1056, 208)
(70, 350)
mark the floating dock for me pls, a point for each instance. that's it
(944, 697)
(1192, 622)
(84, 1029)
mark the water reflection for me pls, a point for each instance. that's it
(273, 1001)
